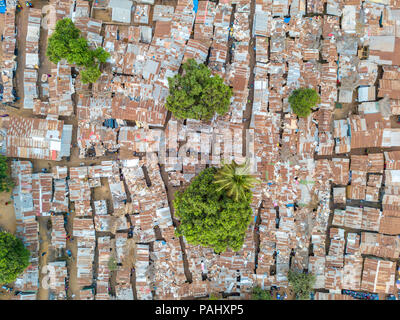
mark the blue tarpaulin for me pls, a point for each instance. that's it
(110, 123)
(286, 20)
(361, 295)
(195, 5)
(3, 7)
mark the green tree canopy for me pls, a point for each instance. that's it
(6, 183)
(66, 43)
(209, 217)
(112, 264)
(260, 294)
(100, 54)
(213, 296)
(14, 257)
(303, 100)
(90, 74)
(79, 53)
(59, 42)
(235, 179)
(196, 94)
(302, 284)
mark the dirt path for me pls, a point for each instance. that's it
(73, 288)
(44, 240)
(21, 21)
(7, 215)
(250, 98)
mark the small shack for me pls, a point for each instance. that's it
(121, 10)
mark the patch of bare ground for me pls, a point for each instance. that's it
(7, 215)
(102, 14)
(394, 123)
(130, 253)
(44, 249)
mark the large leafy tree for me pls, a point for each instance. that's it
(14, 257)
(59, 42)
(302, 284)
(79, 53)
(235, 179)
(66, 43)
(209, 217)
(196, 94)
(303, 100)
(6, 183)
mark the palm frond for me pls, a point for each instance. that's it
(235, 179)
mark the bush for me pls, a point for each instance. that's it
(302, 284)
(303, 100)
(66, 43)
(196, 94)
(112, 264)
(260, 294)
(209, 217)
(14, 257)
(6, 183)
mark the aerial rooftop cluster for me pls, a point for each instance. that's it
(196, 149)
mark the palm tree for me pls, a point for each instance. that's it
(235, 179)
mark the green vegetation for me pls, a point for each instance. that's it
(14, 257)
(213, 296)
(260, 294)
(209, 217)
(90, 74)
(196, 94)
(66, 43)
(58, 46)
(112, 264)
(235, 180)
(302, 284)
(303, 100)
(79, 53)
(6, 183)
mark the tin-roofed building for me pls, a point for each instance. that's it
(121, 10)
(37, 138)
